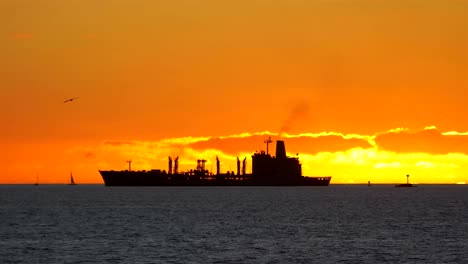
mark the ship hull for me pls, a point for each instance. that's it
(405, 185)
(157, 178)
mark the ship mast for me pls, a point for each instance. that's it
(268, 141)
(129, 165)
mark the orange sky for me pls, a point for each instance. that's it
(150, 72)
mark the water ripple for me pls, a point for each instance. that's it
(335, 224)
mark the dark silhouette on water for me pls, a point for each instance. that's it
(267, 170)
(72, 181)
(37, 180)
(407, 184)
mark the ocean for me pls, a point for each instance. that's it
(334, 224)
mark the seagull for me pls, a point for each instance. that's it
(70, 99)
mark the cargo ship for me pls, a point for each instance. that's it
(267, 170)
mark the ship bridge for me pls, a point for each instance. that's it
(279, 168)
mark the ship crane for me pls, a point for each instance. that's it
(268, 141)
(201, 165)
(244, 164)
(176, 165)
(170, 165)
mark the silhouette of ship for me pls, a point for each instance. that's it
(267, 170)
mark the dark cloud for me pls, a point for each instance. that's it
(233, 145)
(329, 143)
(119, 143)
(426, 141)
(304, 144)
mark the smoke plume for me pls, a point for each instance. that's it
(299, 112)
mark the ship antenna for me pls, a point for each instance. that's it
(268, 141)
(129, 165)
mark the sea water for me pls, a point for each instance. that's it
(334, 224)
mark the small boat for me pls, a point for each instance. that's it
(37, 180)
(72, 182)
(407, 184)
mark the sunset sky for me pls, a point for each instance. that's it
(360, 89)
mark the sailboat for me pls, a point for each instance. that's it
(72, 182)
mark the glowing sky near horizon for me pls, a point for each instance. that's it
(341, 77)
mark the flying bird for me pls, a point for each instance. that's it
(70, 99)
